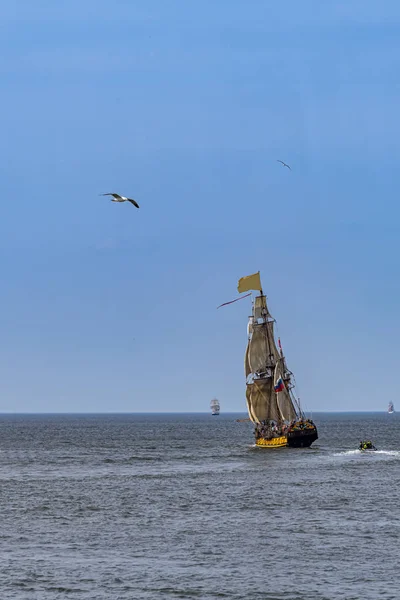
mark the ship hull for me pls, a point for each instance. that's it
(302, 438)
(293, 439)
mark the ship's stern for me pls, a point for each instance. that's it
(302, 438)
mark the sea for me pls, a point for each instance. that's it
(169, 506)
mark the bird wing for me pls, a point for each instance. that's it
(110, 194)
(284, 164)
(133, 202)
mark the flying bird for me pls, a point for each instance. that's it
(118, 198)
(284, 164)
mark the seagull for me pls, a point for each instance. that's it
(284, 164)
(118, 198)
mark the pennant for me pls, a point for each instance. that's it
(232, 301)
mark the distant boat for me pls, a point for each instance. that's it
(215, 407)
(366, 446)
(390, 408)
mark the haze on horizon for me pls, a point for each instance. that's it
(186, 107)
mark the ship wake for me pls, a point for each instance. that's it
(382, 453)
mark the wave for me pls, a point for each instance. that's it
(131, 459)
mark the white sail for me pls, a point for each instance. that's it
(215, 406)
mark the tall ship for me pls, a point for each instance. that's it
(272, 404)
(215, 407)
(390, 408)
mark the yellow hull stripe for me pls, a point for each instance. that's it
(278, 442)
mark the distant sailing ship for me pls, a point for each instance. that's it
(215, 407)
(271, 401)
(390, 408)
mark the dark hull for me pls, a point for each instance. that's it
(302, 438)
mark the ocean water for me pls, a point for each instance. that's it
(184, 506)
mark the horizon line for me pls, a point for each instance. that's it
(10, 412)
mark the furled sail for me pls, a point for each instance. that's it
(261, 401)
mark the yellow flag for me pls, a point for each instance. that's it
(251, 282)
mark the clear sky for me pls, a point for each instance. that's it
(186, 105)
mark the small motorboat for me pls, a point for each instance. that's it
(366, 445)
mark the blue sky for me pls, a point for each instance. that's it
(186, 106)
